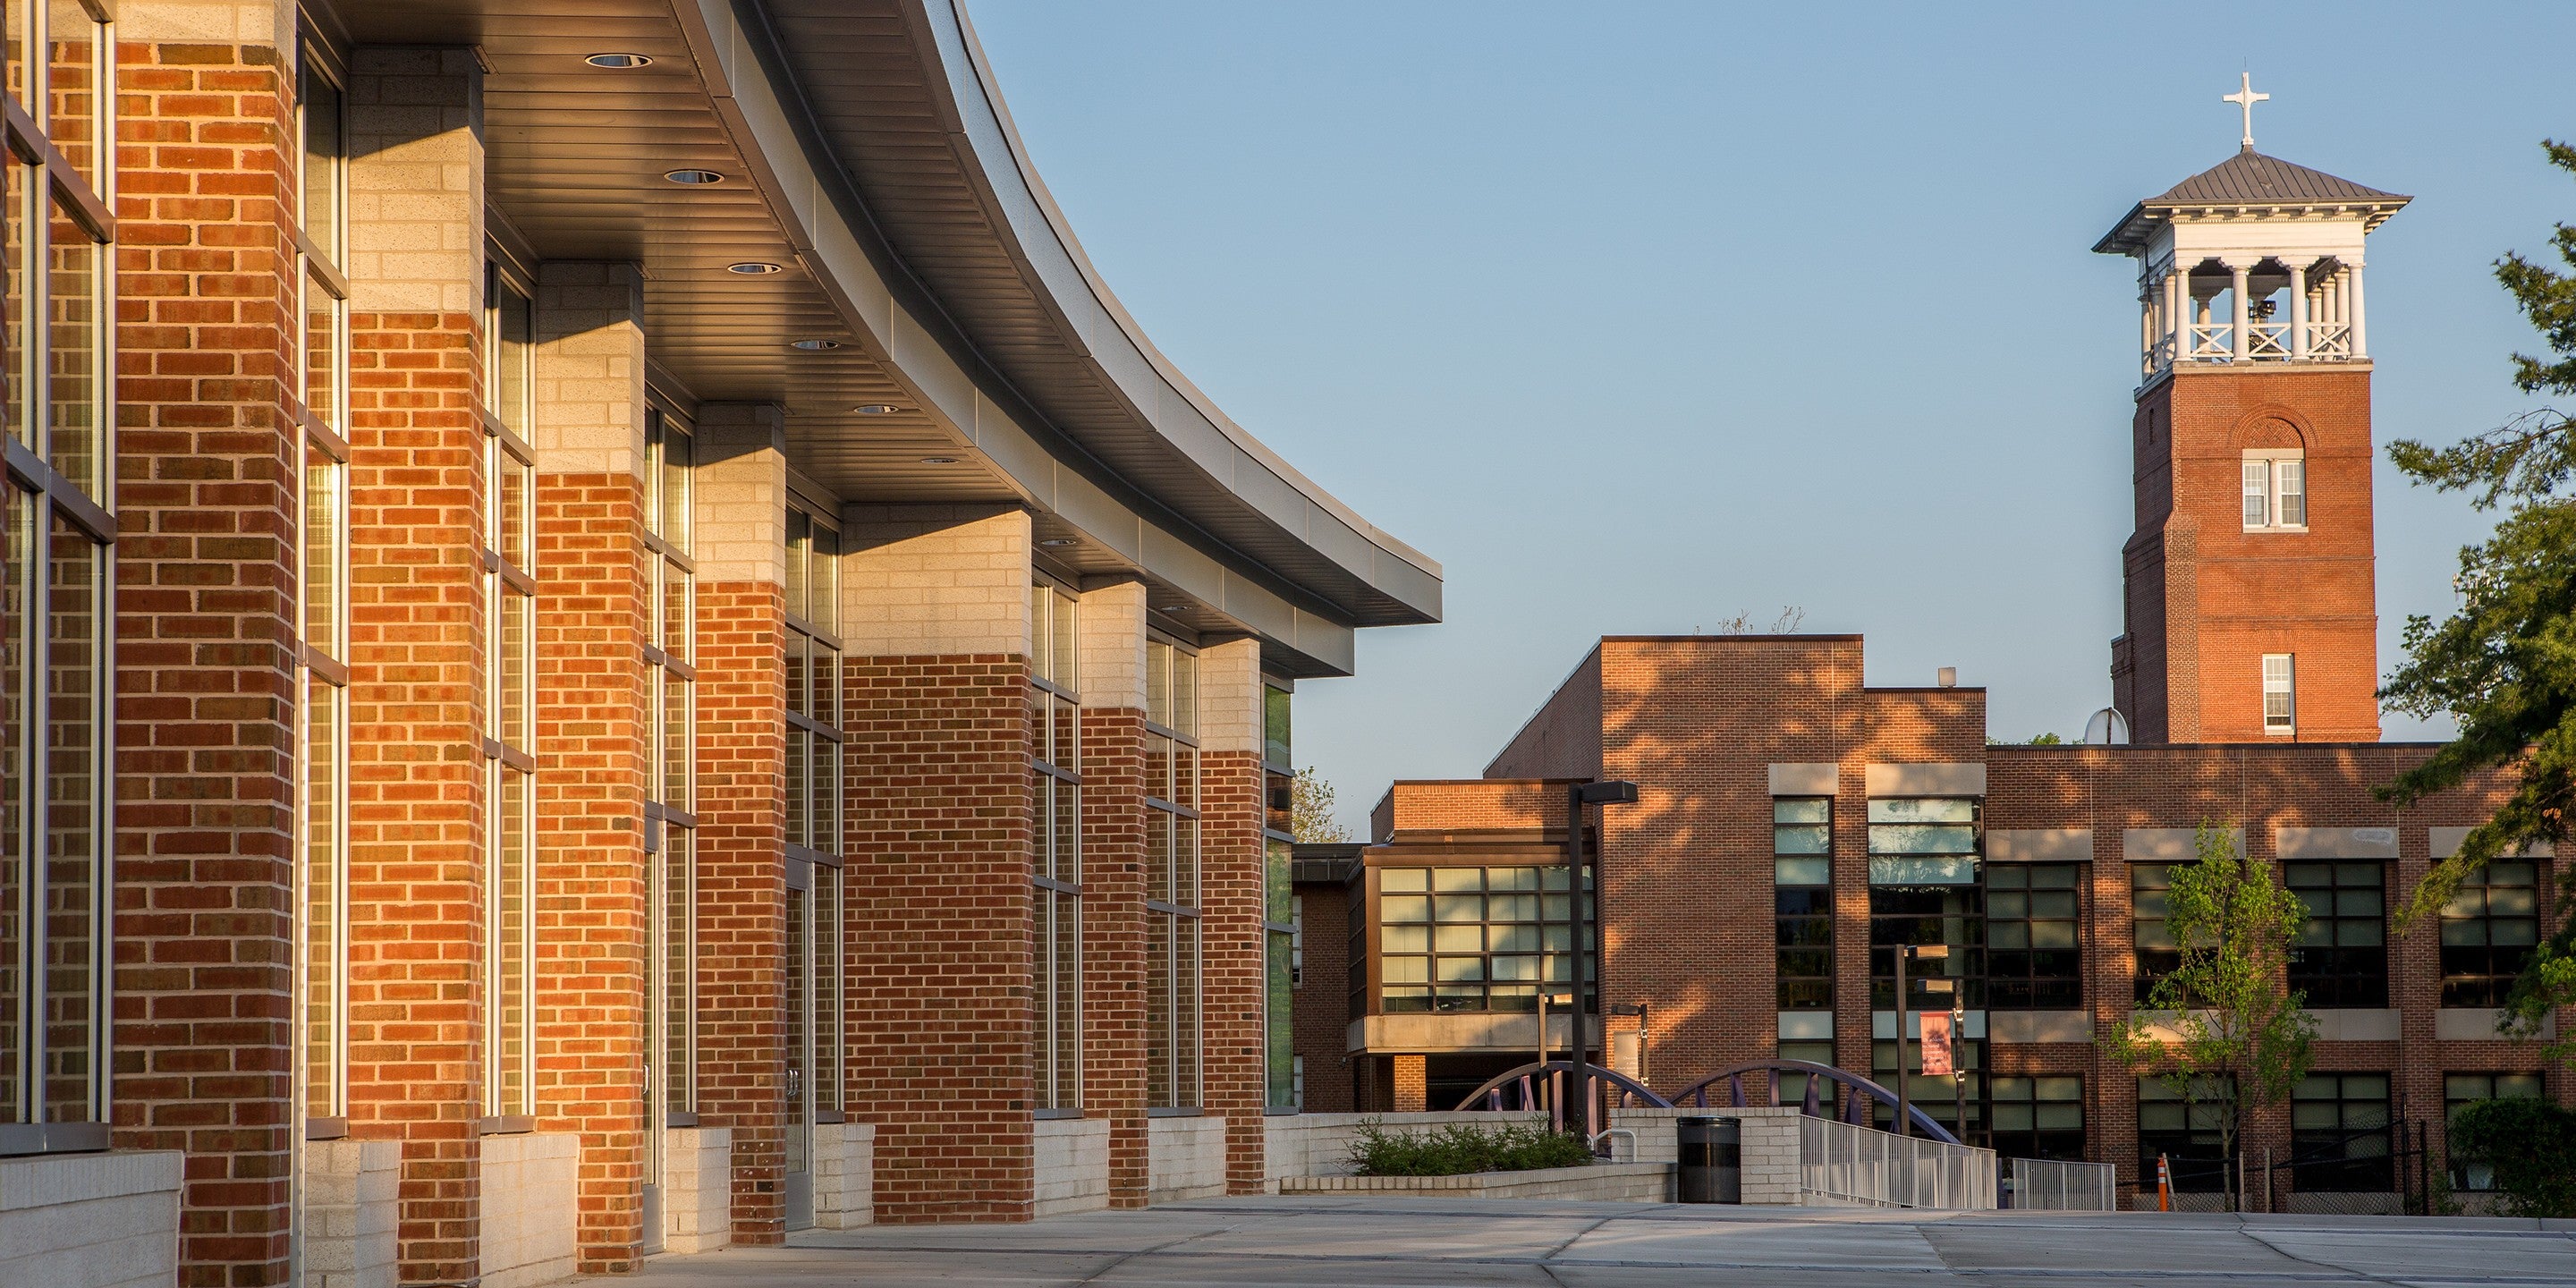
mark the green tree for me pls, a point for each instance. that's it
(2530, 1144)
(1310, 810)
(2504, 665)
(2222, 1028)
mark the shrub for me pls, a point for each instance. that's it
(2531, 1144)
(1456, 1149)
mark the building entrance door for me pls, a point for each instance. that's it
(799, 1082)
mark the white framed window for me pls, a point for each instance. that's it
(2275, 491)
(2280, 693)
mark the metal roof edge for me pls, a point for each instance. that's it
(1060, 236)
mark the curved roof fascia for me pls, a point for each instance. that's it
(1373, 578)
(1054, 250)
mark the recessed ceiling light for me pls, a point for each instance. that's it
(693, 176)
(1059, 541)
(752, 268)
(814, 346)
(939, 460)
(876, 409)
(619, 62)
(1173, 608)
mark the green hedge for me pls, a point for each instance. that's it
(1458, 1149)
(2531, 1144)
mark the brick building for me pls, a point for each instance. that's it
(1797, 825)
(612, 643)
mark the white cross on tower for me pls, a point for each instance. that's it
(2246, 98)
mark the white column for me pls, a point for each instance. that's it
(2178, 315)
(2360, 347)
(2299, 312)
(2147, 328)
(2244, 310)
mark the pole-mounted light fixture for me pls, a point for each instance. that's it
(1608, 792)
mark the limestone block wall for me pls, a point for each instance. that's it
(1771, 1173)
(352, 1202)
(90, 1220)
(697, 1189)
(1185, 1158)
(845, 1165)
(1072, 1165)
(531, 1208)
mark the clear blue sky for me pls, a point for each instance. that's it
(1639, 316)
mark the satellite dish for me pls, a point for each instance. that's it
(2107, 728)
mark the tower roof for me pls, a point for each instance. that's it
(2250, 182)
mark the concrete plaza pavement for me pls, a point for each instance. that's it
(1361, 1242)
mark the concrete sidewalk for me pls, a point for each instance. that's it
(1357, 1243)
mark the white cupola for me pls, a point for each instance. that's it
(2253, 260)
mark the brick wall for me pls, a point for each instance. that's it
(592, 730)
(742, 892)
(1563, 738)
(2206, 599)
(206, 709)
(939, 932)
(415, 724)
(1113, 937)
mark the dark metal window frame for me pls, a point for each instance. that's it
(2333, 973)
(53, 495)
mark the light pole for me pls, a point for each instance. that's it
(1904, 1093)
(1578, 795)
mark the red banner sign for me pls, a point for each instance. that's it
(1936, 1044)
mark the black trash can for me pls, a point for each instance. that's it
(1712, 1160)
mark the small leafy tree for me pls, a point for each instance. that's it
(2223, 1026)
(2500, 665)
(2531, 1144)
(1310, 810)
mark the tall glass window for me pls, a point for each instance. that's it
(1278, 929)
(814, 737)
(669, 692)
(2341, 958)
(57, 527)
(509, 698)
(2032, 958)
(2040, 1117)
(2488, 931)
(1055, 870)
(322, 397)
(2339, 1134)
(2158, 953)
(1473, 938)
(1172, 1028)
(1802, 876)
(2183, 1129)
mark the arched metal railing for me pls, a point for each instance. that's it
(1542, 1085)
(1851, 1103)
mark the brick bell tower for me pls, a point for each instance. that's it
(2251, 611)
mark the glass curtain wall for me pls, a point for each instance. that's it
(1925, 889)
(814, 824)
(1278, 772)
(670, 688)
(1055, 732)
(509, 713)
(1172, 1031)
(57, 527)
(320, 247)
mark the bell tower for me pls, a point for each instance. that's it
(2250, 611)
